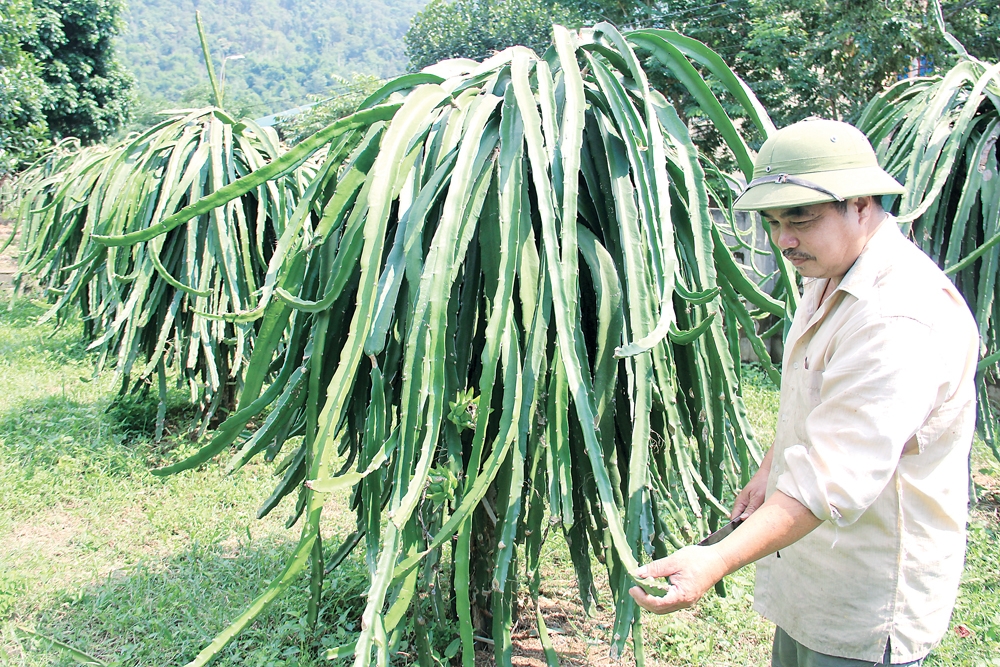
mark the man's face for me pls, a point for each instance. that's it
(819, 240)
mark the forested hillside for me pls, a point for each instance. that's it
(291, 48)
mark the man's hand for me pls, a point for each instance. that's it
(779, 522)
(692, 571)
(750, 498)
(752, 495)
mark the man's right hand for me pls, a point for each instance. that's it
(752, 495)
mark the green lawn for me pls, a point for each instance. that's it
(97, 553)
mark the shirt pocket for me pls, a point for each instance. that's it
(809, 395)
(807, 389)
(814, 387)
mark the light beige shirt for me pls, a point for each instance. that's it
(876, 420)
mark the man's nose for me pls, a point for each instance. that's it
(784, 238)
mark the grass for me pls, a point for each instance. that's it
(100, 554)
(138, 570)
(974, 636)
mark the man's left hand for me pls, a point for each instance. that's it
(691, 570)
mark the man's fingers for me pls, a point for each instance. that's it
(670, 602)
(741, 503)
(750, 496)
(745, 511)
(738, 508)
(657, 568)
(746, 504)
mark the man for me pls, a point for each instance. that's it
(856, 518)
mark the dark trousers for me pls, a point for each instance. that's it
(789, 653)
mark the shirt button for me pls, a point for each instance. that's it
(795, 366)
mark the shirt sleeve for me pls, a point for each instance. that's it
(877, 389)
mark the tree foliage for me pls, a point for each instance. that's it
(343, 100)
(23, 128)
(59, 75)
(826, 58)
(89, 90)
(801, 57)
(821, 57)
(801, 63)
(975, 23)
(478, 28)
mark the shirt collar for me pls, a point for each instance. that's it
(874, 260)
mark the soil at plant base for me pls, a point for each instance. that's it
(8, 265)
(578, 639)
(988, 490)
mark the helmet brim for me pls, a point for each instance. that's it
(847, 183)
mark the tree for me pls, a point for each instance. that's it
(801, 63)
(975, 23)
(819, 57)
(23, 129)
(59, 75)
(511, 306)
(89, 90)
(477, 28)
(166, 315)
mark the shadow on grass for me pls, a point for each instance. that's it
(165, 612)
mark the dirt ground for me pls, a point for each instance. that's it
(579, 640)
(8, 265)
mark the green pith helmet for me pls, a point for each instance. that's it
(815, 161)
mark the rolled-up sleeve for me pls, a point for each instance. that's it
(872, 398)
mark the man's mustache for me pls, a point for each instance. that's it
(791, 254)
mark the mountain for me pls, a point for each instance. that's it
(291, 48)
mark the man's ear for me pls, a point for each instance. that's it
(865, 206)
